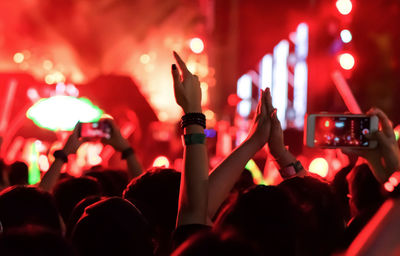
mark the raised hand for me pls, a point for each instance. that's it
(384, 159)
(73, 141)
(116, 140)
(261, 127)
(186, 87)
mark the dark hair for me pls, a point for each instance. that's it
(113, 182)
(78, 211)
(365, 190)
(18, 174)
(265, 218)
(112, 226)
(34, 241)
(156, 194)
(68, 192)
(214, 244)
(22, 205)
(321, 220)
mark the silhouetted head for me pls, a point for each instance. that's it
(78, 211)
(112, 226)
(321, 221)
(156, 195)
(265, 218)
(214, 244)
(24, 205)
(34, 241)
(113, 182)
(18, 174)
(365, 191)
(68, 192)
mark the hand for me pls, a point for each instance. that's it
(187, 88)
(73, 141)
(384, 159)
(275, 143)
(117, 141)
(261, 127)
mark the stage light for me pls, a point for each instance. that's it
(43, 163)
(209, 114)
(344, 6)
(319, 166)
(327, 124)
(389, 187)
(63, 112)
(18, 57)
(346, 36)
(161, 161)
(196, 45)
(346, 61)
(144, 58)
(47, 64)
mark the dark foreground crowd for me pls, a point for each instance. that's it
(196, 212)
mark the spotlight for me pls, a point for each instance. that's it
(196, 45)
(346, 61)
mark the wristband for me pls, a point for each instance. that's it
(60, 154)
(127, 152)
(193, 118)
(291, 170)
(193, 138)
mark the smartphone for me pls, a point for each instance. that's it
(340, 130)
(95, 130)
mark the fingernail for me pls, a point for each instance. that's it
(173, 67)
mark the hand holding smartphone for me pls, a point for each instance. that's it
(340, 130)
(95, 130)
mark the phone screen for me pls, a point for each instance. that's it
(341, 131)
(95, 130)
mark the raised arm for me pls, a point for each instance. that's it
(194, 178)
(51, 177)
(384, 159)
(119, 143)
(225, 175)
(285, 160)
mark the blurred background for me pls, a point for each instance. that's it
(67, 60)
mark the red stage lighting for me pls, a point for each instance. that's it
(319, 166)
(196, 45)
(344, 6)
(346, 61)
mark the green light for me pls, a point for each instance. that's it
(63, 112)
(396, 133)
(255, 172)
(34, 172)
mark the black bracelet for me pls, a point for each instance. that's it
(127, 152)
(193, 118)
(60, 154)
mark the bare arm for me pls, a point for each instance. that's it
(225, 175)
(194, 179)
(119, 143)
(52, 176)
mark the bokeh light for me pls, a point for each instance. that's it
(344, 6)
(346, 36)
(346, 61)
(319, 166)
(196, 45)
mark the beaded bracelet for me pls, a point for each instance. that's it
(193, 118)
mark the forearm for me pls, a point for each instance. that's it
(225, 175)
(194, 182)
(284, 158)
(134, 166)
(52, 176)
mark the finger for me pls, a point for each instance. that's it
(77, 128)
(264, 110)
(387, 126)
(268, 99)
(258, 110)
(380, 137)
(182, 65)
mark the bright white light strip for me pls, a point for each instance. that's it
(300, 93)
(244, 108)
(266, 72)
(280, 80)
(300, 75)
(302, 41)
(244, 85)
